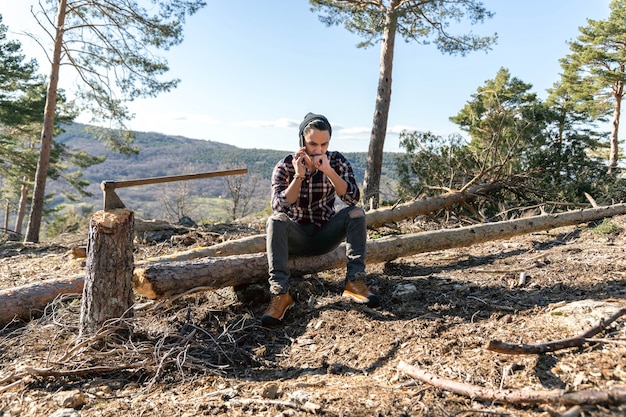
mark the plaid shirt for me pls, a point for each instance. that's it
(316, 202)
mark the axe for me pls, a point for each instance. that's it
(112, 201)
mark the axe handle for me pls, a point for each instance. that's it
(109, 185)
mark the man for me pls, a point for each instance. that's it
(304, 188)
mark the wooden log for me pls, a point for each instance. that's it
(157, 280)
(29, 300)
(108, 291)
(382, 216)
(165, 279)
(374, 219)
(248, 244)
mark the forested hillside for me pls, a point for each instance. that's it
(162, 155)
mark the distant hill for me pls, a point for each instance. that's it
(162, 155)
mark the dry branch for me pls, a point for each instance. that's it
(615, 395)
(577, 341)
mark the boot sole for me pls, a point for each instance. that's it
(372, 301)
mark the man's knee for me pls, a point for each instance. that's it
(279, 217)
(356, 212)
(276, 221)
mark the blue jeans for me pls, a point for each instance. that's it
(286, 237)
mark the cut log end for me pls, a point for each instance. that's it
(142, 285)
(109, 219)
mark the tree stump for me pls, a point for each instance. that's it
(108, 290)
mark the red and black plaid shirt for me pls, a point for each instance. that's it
(316, 202)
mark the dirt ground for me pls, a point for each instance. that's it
(205, 354)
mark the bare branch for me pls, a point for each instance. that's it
(577, 341)
(615, 395)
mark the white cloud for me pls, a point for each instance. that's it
(353, 130)
(397, 129)
(190, 117)
(281, 123)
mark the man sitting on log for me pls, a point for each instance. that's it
(304, 187)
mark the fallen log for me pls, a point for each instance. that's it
(374, 219)
(157, 280)
(29, 300)
(382, 216)
(615, 395)
(248, 244)
(538, 349)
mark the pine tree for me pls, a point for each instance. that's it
(423, 22)
(111, 46)
(594, 71)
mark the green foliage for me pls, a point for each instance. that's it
(594, 72)
(503, 119)
(606, 228)
(68, 220)
(421, 22)
(432, 163)
(16, 76)
(539, 152)
(22, 102)
(596, 63)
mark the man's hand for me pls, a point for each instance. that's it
(321, 162)
(302, 161)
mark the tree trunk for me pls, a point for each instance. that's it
(617, 110)
(161, 279)
(39, 192)
(371, 182)
(380, 217)
(7, 210)
(108, 291)
(21, 207)
(165, 279)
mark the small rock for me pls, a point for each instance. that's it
(270, 391)
(404, 289)
(65, 412)
(70, 399)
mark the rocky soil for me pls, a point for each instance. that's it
(205, 354)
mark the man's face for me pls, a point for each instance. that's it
(316, 142)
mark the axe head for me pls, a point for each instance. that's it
(110, 198)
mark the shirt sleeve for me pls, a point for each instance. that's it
(344, 169)
(281, 175)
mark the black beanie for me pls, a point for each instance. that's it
(310, 117)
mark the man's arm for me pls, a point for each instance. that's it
(339, 172)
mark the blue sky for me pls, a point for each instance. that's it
(251, 69)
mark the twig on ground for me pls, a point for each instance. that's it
(575, 411)
(577, 341)
(615, 395)
(308, 407)
(611, 341)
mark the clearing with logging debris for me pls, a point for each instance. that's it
(205, 353)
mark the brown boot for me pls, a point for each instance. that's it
(358, 291)
(274, 314)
